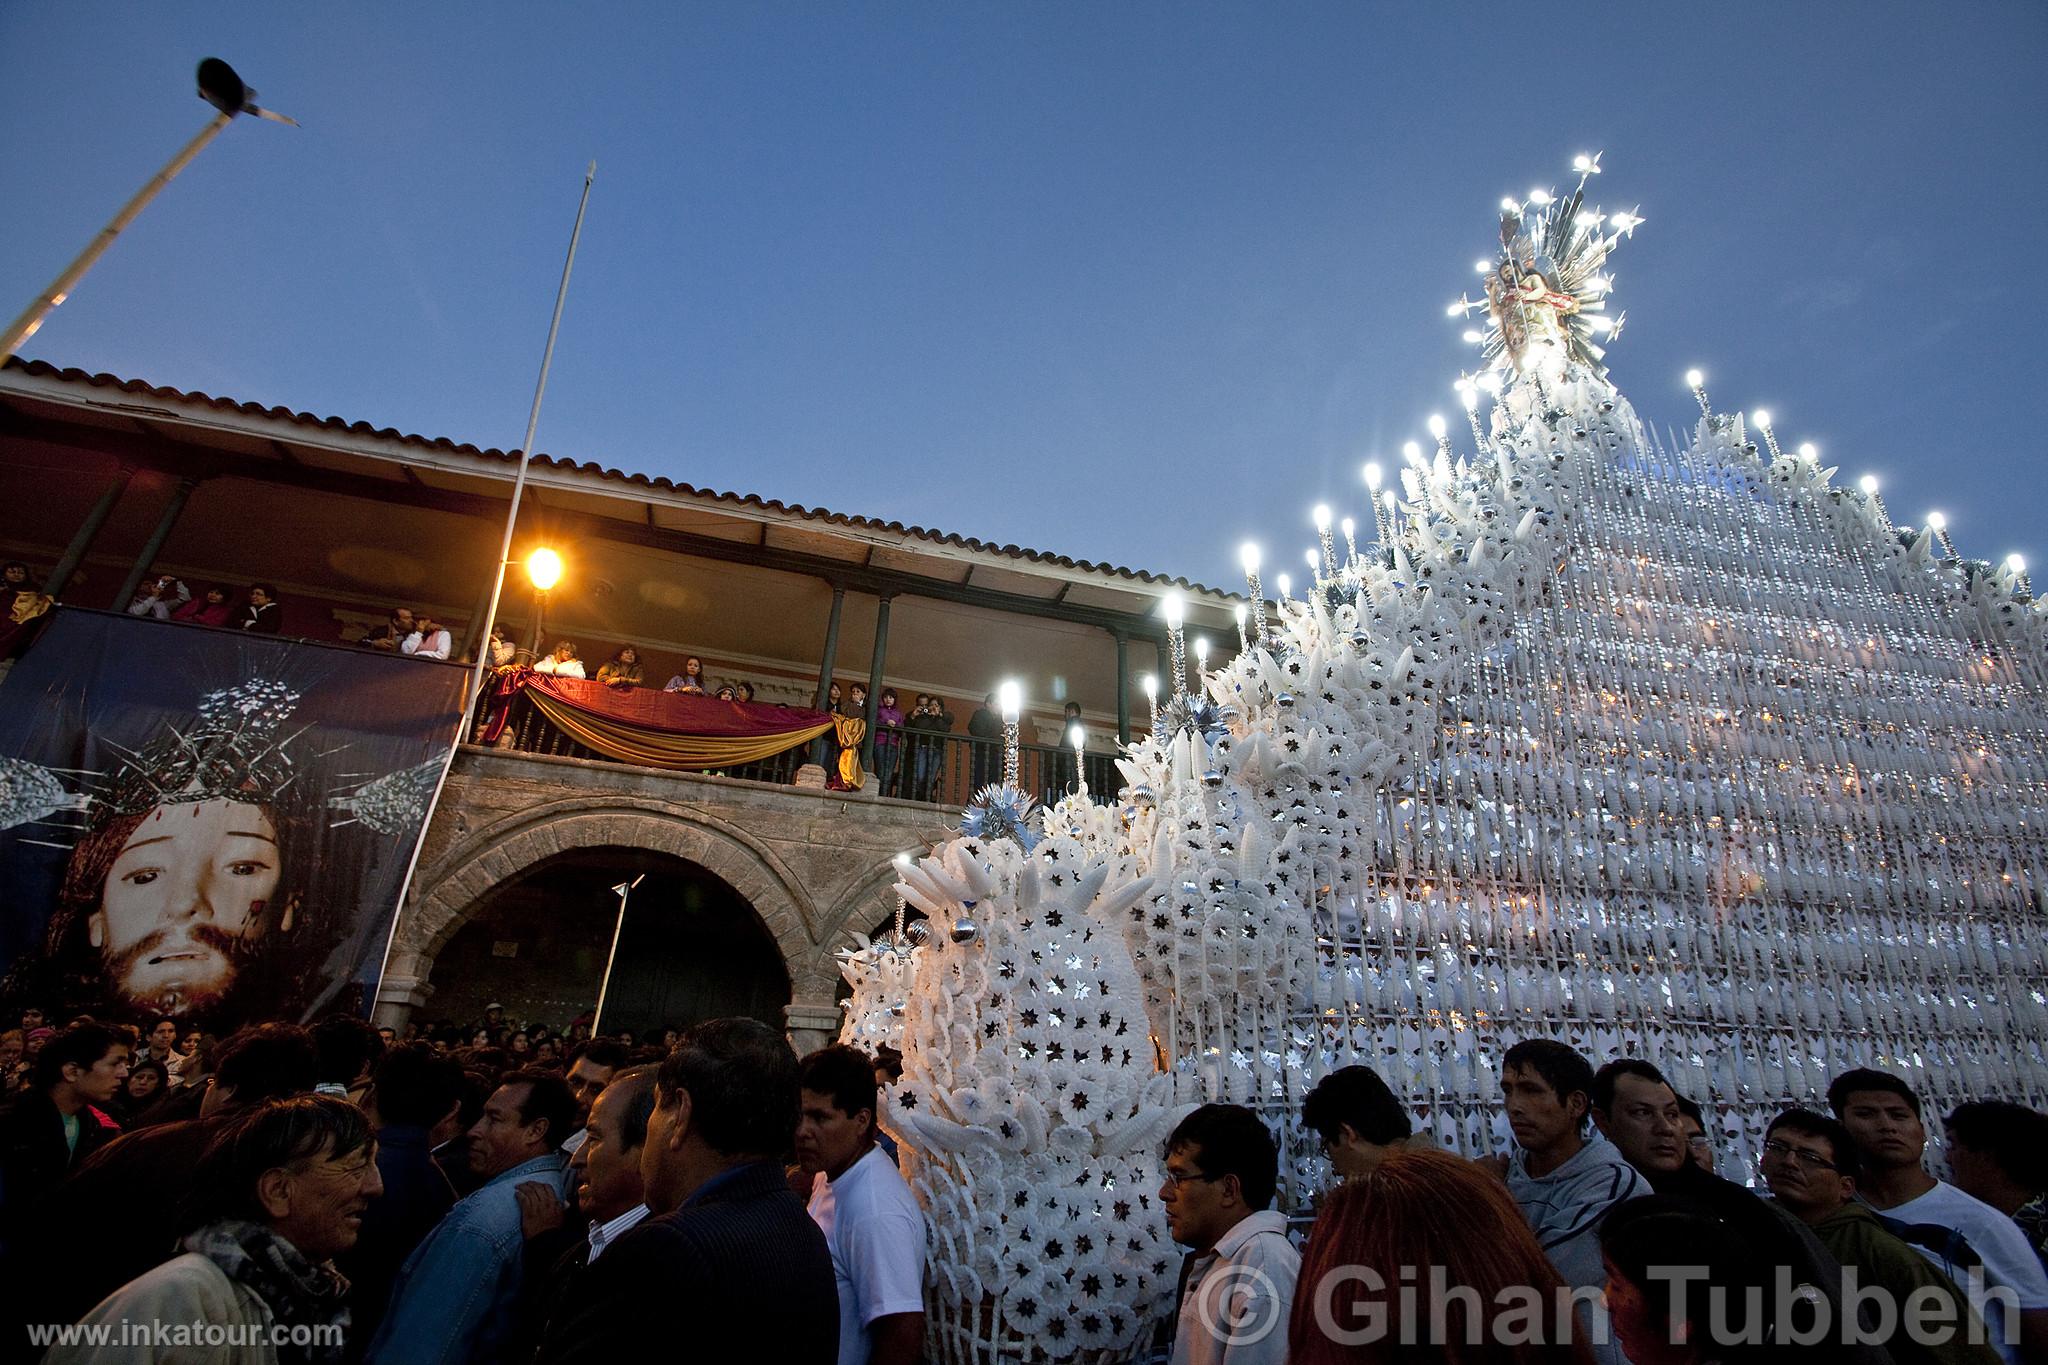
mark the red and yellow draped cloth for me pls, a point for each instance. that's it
(653, 729)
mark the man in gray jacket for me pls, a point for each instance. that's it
(1564, 1178)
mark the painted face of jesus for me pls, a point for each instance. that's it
(189, 893)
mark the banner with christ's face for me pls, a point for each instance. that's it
(207, 824)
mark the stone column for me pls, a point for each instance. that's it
(404, 988)
(812, 1024)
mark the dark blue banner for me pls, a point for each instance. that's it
(203, 823)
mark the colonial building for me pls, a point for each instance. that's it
(751, 882)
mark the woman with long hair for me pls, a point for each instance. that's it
(1393, 1255)
(691, 680)
(622, 669)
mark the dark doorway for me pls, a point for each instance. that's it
(693, 948)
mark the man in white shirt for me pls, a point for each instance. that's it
(1237, 1285)
(429, 639)
(1882, 1114)
(871, 1222)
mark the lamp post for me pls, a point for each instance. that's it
(1079, 738)
(1010, 700)
(622, 891)
(220, 87)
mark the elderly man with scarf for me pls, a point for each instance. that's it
(280, 1192)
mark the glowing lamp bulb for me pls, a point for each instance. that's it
(1936, 522)
(1762, 417)
(1809, 452)
(1320, 514)
(2015, 563)
(1483, 267)
(1313, 561)
(1286, 586)
(1010, 698)
(544, 567)
(1077, 737)
(902, 860)
(1694, 378)
(1455, 310)
(1176, 610)
(1372, 475)
(1348, 527)
(1201, 651)
(1248, 555)
(1510, 205)
(1437, 426)
(1150, 685)
(1469, 396)
(1411, 451)
(1238, 613)
(1391, 501)
(1868, 483)
(1472, 336)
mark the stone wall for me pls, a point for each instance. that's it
(814, 865)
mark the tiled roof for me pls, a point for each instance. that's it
(194, 398)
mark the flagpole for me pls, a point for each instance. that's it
(624, 889)
(468, 700)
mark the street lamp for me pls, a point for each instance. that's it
(544, 569)
(220, 87)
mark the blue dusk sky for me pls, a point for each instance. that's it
(1130, 282)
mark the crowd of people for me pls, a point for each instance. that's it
(493, 1193)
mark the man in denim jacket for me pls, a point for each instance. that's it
(453, 1302)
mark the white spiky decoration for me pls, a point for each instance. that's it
(1669, 749)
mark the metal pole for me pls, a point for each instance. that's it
(155, 543)
(624, 889)
(60, 288)
(476, 679)
(74, 553)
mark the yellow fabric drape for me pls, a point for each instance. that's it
(850, 730)
(654, 749)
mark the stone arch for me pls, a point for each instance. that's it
(868, 901)
(459, 882)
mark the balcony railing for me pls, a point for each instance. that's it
(930, 768)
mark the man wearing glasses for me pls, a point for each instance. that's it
(1238, 1283)
(1812, 1168)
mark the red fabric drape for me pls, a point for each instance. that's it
(631, 723)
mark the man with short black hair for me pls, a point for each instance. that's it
(728, 1254)
(161, 1038)
(454, 1299)
(1882, 1116)
(58, 1120)
(416, 1096)
(1636, 1108)
(122, 1211)
(1221, 1171)
(871, 1222)
(609, 1190)
(1998, 1152)
(387, 637)
(1692, 1126)
(1358, 1119)
(348, 1049)
(1810, 1164)
(597, 1063)
(279, 1193)
(1563, 1181)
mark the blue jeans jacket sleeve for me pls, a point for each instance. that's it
(443, 1299)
